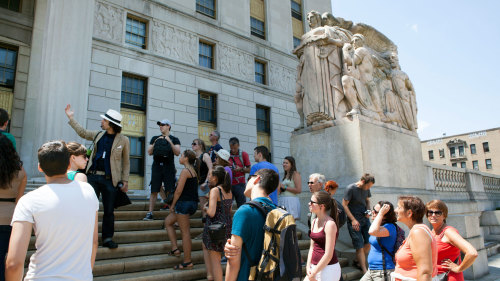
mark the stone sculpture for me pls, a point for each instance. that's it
(346, 69)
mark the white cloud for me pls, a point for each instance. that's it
(414, 27)
(422, 125)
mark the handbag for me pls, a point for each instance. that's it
(121, 198)
(217, 231)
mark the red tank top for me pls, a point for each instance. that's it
(448, 251)
(319, 239)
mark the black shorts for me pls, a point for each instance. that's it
(162, 173)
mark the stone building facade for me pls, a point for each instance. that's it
(479, 150)
(203, 64)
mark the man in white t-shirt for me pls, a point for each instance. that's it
(63, 214)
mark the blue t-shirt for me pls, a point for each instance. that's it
(375, 255)
(211, 151)
(248, 223)
(266, 165)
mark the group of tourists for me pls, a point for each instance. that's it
(63, 213)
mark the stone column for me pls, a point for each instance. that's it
(58, 74)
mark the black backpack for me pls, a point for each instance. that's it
(342, 217)
(161, 147)
(280, 259)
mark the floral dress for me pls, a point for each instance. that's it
(227, 204)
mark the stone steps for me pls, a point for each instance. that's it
(144, 246)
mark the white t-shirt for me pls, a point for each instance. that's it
(63, 217)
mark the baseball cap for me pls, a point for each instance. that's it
(164, 122)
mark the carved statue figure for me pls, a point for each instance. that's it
(405, 91)
(319, 72)
(359, 80)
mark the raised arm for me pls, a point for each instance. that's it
(375, 228)
(82, 132)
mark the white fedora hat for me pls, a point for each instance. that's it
(113, 116)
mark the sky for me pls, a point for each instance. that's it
(450, 49)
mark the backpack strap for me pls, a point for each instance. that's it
(383, 257)
(259, 206)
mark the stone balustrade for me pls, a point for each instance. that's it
(449, 180)
(491, 184)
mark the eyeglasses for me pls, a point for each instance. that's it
(310, 182)
(437, 213)
(193, 144)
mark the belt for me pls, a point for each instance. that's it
(98, 173)
(8, 200)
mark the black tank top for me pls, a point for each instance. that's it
(203, 170)
(190, 191)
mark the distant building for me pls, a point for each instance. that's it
(479, 150)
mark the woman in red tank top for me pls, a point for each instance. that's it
(449, 243)
(322, 262)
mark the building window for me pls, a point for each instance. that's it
(257, 28)
(452, 152)
(258, 18)
(136, 32)
(472, 149)
(296, 10)
(296, 42)
(137, 155)
(206, 55)
(431, 154)
(453, 164)
(206, 7)
(13, 5)
(441, 153)
(207, 115)
(475, 165)
(8, 61)
(486, 147)
(488, 163)
(133, 92)
(260, 72)
(463, 165)
(263, 127)
(461, 150)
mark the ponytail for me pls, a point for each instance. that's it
(223, 178)
(227, 183)
(330, 204)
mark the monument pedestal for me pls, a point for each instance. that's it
(344, 149)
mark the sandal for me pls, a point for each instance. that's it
(175, 252)
(185, 265)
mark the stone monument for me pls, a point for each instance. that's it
(357, 108)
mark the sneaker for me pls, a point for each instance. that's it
(110, 244)
(223, 260)
(148, 217)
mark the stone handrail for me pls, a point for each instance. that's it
(491, 184)
(449, 180)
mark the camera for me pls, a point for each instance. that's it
(368, 212)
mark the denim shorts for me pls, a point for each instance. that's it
(359, 238)
(186, 207)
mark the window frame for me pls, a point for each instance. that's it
(431, 154)
(254, 29)
(454, 153)
(475, 165)
(198, 3)
(211, 111)
(4, 67)
(454, 165)
(463, 165)
(441, 153)
(19, 9)
(263, 74)
(144, 95)
(490, 165)
(461, 150)
(486, 147)
(472, 148)
(202, 43)
(142, 158)
(296, 13)
(267, 119)
(146, 31)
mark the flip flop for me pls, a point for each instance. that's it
(174, 253)
(184, 266)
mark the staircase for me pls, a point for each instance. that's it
(143, 247)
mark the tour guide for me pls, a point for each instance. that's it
(108, 165)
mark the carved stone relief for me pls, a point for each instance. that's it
(235, 62)
(175, 43)
(282, 78)
(108, 22)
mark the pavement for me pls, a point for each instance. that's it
(494, 267)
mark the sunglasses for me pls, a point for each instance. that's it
(193, 144)
(312, 202)
(437, 213)
(310, 182)
(374, 211)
